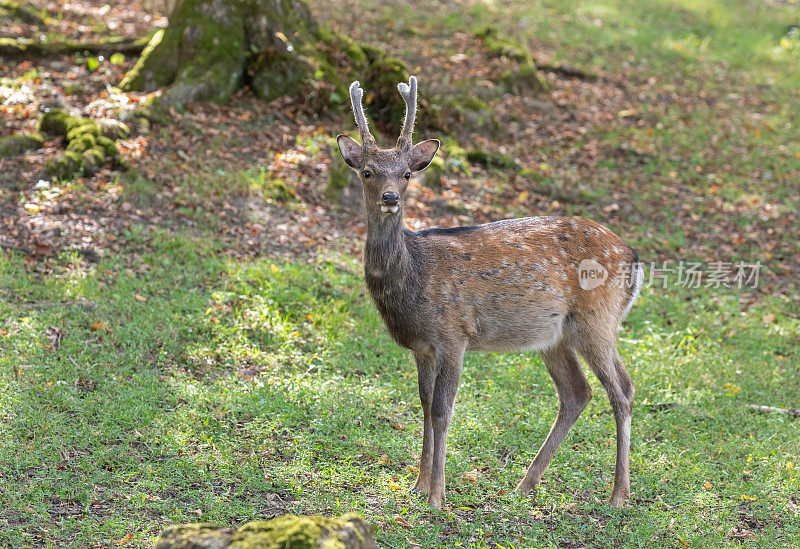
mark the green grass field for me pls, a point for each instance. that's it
(190, 386)
(195, 389)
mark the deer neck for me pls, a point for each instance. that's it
(386, 255)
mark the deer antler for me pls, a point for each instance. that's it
(409, 93)
(356, 94)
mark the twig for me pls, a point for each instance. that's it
(794, 412)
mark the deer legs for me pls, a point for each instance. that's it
(608, 367)
(438, 377)
(574, 394)
(439, 374)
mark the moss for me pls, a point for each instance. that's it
(73, 89)
(113, 129)
(524, 76)
(13, 145)
(451, 159)
(134, 79)
(455, 157)
(347, 532)
(94, 157)
(87, 149)
(278, 190)
(491, 159)
(23, 12)
(432, 176)
(56, 121)
(503, 47)
(194, 536)
(65, 165)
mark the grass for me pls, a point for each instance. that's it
(196, 388)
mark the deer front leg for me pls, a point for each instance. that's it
(426, 378)
(449, 363)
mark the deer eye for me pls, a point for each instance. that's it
(367, 174)
(407, 175)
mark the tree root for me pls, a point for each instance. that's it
(569, 72)
(24, 48)
(18, 143)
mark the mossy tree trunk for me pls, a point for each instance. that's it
(213, 47)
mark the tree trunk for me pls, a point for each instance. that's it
(213, 47)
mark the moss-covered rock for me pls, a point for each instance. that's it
(347, 532)
(13, 145)
(451, 160)
(523, 76)
(493, 160)
(87, 148)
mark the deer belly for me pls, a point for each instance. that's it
(516, 331)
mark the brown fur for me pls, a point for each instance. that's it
(504, 286)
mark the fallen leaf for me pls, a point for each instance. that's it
(472, 475)
(99, 326)
(124, 540)
(402, 522)
(140, 298)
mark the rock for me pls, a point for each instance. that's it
(18, 143)
(346, 532)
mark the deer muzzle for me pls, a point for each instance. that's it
(389, 202)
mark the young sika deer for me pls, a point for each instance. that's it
(557, 285)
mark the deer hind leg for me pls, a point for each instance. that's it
(574, 393)
(426, 378)
(604, 360)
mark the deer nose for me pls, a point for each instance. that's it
(390, 198)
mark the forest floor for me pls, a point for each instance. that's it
(190, 340)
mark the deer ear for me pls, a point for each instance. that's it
(422, 154)
(350, 150)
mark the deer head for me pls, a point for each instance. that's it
(384, 173)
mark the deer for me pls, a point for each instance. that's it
(557, 285)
